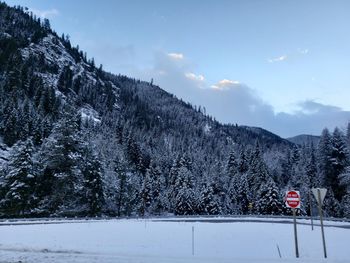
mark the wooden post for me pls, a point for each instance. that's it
(321, 219)
(295, 234)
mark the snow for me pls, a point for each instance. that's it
(55, 54)
(139, 240)
(88, 113)
(207, 128)
(6, 35)
(4, 153)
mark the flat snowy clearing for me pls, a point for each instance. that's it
(157, 241)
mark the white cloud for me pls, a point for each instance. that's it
(239, 103)
(225, 84)
(176, 56)
(303, 51)
(194, 77)
(44, 13)
(300, 51)
(278, 59)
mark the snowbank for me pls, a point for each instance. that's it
(158, 241)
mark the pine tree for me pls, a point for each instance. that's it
(345, 182)
(208, 202)
(185, 199)
(157, 182)
(61, 156)
(172, 189)
(122, 188)
(348, 135)
(269, 202)
(232, 166)
(237, 195)
(243, 162)
(311, 169)
(18, 186)
(92, 172)
(331, 205)
(258, 173)
(146, 194)
(338, 162)
(324, 156)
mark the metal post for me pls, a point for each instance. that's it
(311, 216)
(321, 219)
(192, 240)
(295, 234)
(279, 251)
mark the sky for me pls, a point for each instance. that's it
(282, 65)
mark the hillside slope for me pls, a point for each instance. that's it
(81, 141)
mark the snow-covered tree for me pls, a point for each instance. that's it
(232, 166)
(92, 173)
(338, 162)
(18, 186)
(209, 203)
(237, 201)
(324, 156)
(185, 203)
(345, 182)
(257, 174)
(269, 202)
(62, 180)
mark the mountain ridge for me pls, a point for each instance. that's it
(79, 141)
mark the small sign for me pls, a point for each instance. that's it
(292, 199)
(323, 192)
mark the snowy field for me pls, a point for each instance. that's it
(157, 241)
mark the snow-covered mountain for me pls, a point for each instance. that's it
(87, 142)
(305, 139)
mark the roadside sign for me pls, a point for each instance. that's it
(292, 199)
(323, 192)
(320, 194)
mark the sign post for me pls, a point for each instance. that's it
(293, 201)
(320, 194)
(311, 215)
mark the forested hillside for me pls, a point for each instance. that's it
(78, 141)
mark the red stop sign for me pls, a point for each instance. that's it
(293, 199)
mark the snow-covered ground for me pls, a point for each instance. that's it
(156, 241)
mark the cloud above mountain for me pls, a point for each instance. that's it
(231, 101)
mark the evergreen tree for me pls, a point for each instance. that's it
(61, 156)
(258, 173)
(348, 135)
(324, 156)
(208, 202)
(17, 188)
(172, 189)
(146, 195)
(269, 202)
(157, 182)
(185, 199)
(122, 196)
(331, 205)
(345, 182)
(237, 193)
(338, 162)
(243, 162)
(311, 169)
(92, 172)
(232, 166)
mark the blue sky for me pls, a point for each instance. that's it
(281, 65)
